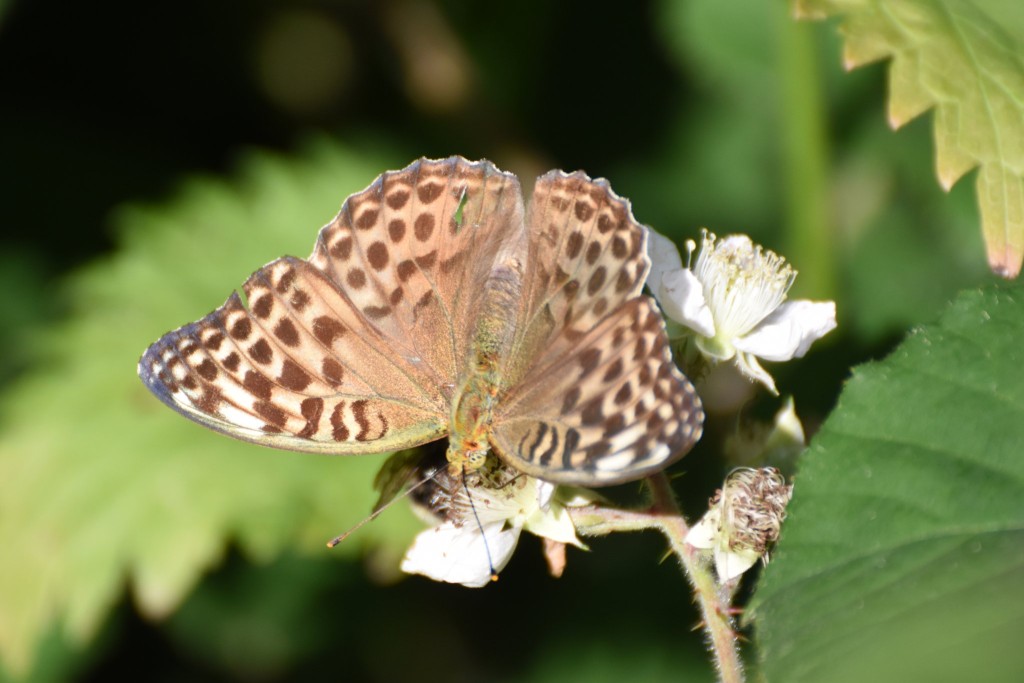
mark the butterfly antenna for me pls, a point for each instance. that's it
(376, 513)
(472, 506)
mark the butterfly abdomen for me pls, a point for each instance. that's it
(495, 329)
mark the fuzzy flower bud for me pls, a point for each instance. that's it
(743, 521)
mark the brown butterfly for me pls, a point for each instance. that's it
(437, 304)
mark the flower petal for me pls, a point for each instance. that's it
(664, 256)
(682, 298)
(458, 554)
(545, 491)
(790, 330)
(731, 563)
(704, 533)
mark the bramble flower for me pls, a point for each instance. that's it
(743, 520)
(475, 532)
(734, 300)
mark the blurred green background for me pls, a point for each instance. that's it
(153, 155)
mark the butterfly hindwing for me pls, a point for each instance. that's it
(609, 408)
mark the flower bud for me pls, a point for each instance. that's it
(743, 520)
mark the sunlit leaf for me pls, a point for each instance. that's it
(903, 555)
(100, 484)
(965, 59)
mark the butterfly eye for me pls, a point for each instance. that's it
(476, 459)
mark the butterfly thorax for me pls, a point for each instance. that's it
(474, 401)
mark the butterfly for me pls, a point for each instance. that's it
(439, 303)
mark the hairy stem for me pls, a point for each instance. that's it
(714, 607)
(665, 515)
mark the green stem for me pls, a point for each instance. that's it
(810, 239)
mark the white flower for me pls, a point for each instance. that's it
(743, 520)
(466, 548)
(734, 300)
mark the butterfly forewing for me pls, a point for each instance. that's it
(413, 249)
(275, 382)
(587, 258)
(608, 408)
(356, 350)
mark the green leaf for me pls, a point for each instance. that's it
(966, 59)
(100, 483)
(903, 554)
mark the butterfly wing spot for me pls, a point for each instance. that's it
(366, 218)
(428, 192)
(312, 410)
(588, 360)
(423, 228)
(341, 249)
(396, 229)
